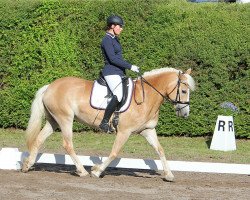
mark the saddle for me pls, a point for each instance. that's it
(101, 94)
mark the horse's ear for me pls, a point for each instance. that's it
(188, 71)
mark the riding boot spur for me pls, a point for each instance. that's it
(104, 126)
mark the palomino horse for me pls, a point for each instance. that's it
(69, 98)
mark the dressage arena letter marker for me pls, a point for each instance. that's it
(224, 137)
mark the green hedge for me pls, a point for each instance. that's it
(45, 40)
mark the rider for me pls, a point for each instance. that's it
(114, 68)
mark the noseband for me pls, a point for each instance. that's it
(177, 99)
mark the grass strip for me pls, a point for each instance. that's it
(97, 144)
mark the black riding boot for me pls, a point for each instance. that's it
(104, 126)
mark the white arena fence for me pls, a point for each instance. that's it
(11, 159)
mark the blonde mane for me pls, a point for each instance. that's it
(161, 70)
(190, 80)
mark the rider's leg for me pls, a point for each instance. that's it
(104, 126)
(115, 85)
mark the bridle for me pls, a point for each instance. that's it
(177, 99)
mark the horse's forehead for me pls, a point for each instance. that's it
(183, 78)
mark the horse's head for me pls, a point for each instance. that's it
(176, 88)
(179, 95)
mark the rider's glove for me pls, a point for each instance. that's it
(134, 68)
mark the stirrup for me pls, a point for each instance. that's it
(105, 127)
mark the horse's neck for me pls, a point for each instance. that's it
(156, 90)
(162, 82)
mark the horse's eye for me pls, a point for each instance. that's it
(184, 91)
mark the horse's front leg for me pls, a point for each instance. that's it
(151, 136)
(120, 140)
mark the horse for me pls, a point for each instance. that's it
(68, 98)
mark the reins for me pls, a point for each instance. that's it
(166, 98)
(143, 80)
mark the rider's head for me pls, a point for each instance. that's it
(115, 24)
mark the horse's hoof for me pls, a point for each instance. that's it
(24, 170)
(25, 167)
(169, 178)
(82, 174)
(95, 174)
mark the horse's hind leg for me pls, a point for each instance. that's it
(68, 146)
(47, 130)
(151, 136)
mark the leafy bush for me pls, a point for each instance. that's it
(45, 40)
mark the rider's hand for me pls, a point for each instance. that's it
(134, 68)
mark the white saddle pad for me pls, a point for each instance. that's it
(99, 99)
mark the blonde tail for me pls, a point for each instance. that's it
(35, 121)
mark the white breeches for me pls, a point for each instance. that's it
(115, 85)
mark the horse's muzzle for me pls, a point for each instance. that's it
(182, 110)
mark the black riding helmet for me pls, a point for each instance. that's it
(115, 19)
